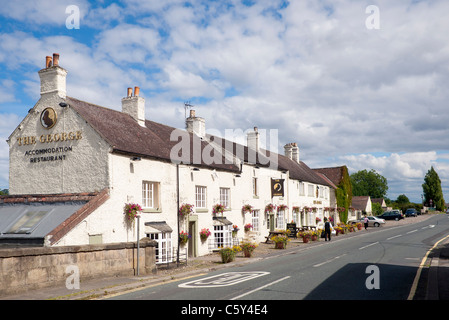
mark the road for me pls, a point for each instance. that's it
(380, 263)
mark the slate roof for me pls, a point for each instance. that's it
(126, 136)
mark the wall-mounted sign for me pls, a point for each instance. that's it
(277, 187)
(48, 118)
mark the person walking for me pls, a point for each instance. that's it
(366, 222)
(327, 229)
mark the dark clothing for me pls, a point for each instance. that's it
(327, 231)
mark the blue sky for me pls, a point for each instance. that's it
(368, 98)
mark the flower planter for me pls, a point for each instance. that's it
(247, 253)
(226, 258)
(314, 238)
(305, 239)
(280, 245)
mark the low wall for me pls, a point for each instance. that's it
(23, 269)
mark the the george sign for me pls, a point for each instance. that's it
(277, 187)
(48, 118)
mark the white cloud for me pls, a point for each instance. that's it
(310, 69)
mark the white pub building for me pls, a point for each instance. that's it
(74, 165)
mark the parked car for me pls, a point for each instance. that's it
(373, 221)
(411, 212)
(391, 215)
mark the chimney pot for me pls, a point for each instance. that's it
(56, 59)
(47, 62)
(192, 113)
(136, 91)
(130, 92)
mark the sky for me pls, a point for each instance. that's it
(355, 83)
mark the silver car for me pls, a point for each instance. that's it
(373, 221)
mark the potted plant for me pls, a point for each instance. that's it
(359, 225)
(228, 253)
(131, 211)
(235, 229)
(204, 234)
(183, 237)
(247, 208)
(305, 235)
(317, 220)
(248, 248)
(314, 235)
(248, 227)
(218, 208)
(185, 210)
(280, 241)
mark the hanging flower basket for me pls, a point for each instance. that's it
(218, 208)
(296, 209)
(185, 210)
(248, 227)
(247, 208)
(183, 237)
(235, 229)
(269, 208)
(282, 207)
(317, 220)
(131, 211)
(204, 234)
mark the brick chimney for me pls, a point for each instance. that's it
(134, 105)
(53, 77)
(196, 125)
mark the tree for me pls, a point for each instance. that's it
(369, 183)
(402, 199)
(432, 190)
(344, 194)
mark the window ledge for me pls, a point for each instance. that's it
(201, 210)
(151, 210)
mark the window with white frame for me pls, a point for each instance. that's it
(225, 199)
(280, 219)
(222, 236)
(200, 197)
(150, 194)
(301, 189)
(255, 219)
(255, 187)
(164, 248)
(310, 190)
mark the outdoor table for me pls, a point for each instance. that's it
(273, 233)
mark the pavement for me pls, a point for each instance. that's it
(433, 282)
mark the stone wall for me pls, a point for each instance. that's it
(23, 269)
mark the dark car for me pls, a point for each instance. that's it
(391, 215)
(411, 212)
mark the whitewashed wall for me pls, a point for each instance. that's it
(84, 166)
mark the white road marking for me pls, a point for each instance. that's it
(260, 288)
(399, 235)
(369, 245)
(330, 260)
(412, 231)
(223, 280)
